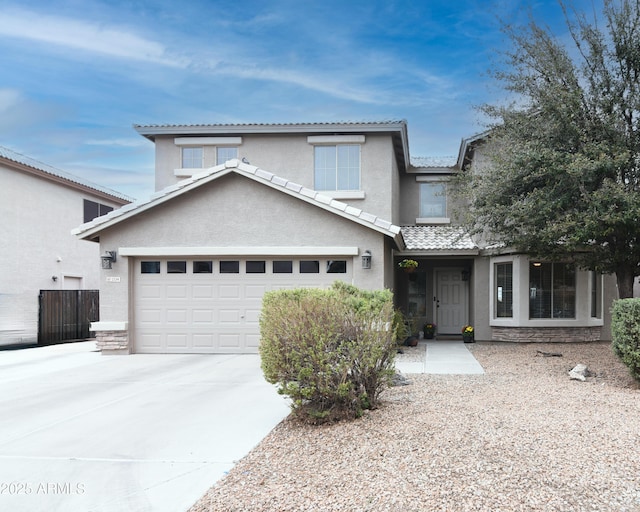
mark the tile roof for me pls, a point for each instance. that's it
(437, 238)
(252, 172)
(48, 169)
(434, 161)
(250, 126)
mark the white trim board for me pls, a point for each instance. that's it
(238, 251)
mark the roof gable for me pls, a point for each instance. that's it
(92, 229)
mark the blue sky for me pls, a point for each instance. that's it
(77, 74)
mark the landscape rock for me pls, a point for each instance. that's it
(399, 380)
(579, 372)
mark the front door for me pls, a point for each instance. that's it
(452, 299)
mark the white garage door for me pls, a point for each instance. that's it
(208, 305)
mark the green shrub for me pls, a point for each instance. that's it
(625, 330)
(331, 351)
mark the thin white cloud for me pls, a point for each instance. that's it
(84, 35)
(324, 84)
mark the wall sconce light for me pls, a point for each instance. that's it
(54, 278)
(466, 273)
(108, 258)
(366, 259)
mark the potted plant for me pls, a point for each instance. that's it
(408, 265)
(429, 330)
(467, 334)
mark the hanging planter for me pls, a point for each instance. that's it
(408, 266)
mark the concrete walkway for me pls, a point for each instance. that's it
(443, 358)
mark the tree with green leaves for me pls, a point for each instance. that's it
(563, 180)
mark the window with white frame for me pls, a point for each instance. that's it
(225, 153)
(552, 290)
(337, 167)
(192, 158)
(504, 290)
(433, 200)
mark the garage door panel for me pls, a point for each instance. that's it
(176, 291)
(254, 291)
(229, 316)
(150, 316)
(252, 316)
(148, 291)
(210, 312)
(177, 340)
(230, 340)
(200, 291)
(202, 316)
(229, 291)
(177, 316)
(203, 341)
(253, 341)
(150, 340)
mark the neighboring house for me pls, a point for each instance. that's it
(242, 209)
(39, 205)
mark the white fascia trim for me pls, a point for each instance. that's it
(433, 220)
(187, 173)
(343, 194)
(207, 141)
(437, 252)
(108, 326)
(238, 251)
(433, 179)
(336, 139)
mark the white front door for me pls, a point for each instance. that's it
(452, 310)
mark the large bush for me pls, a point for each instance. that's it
(625, 330)
(331, 351)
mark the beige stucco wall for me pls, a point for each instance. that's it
(38, 215)
(235, 211)
(292, 157)
(480, 290)
(409, 205)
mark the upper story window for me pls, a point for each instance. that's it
(225, 153)
(93, 210)
(192, 158)
(337, 167)
(204, 152)
(433, 200)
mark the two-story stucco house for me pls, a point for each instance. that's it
(39, 205)
(241, 209)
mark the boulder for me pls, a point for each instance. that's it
(579, 372)
(399, 380)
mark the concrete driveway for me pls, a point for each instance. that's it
(80, 431)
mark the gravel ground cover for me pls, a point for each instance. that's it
(522, 437)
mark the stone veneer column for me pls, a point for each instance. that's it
(113, 342)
